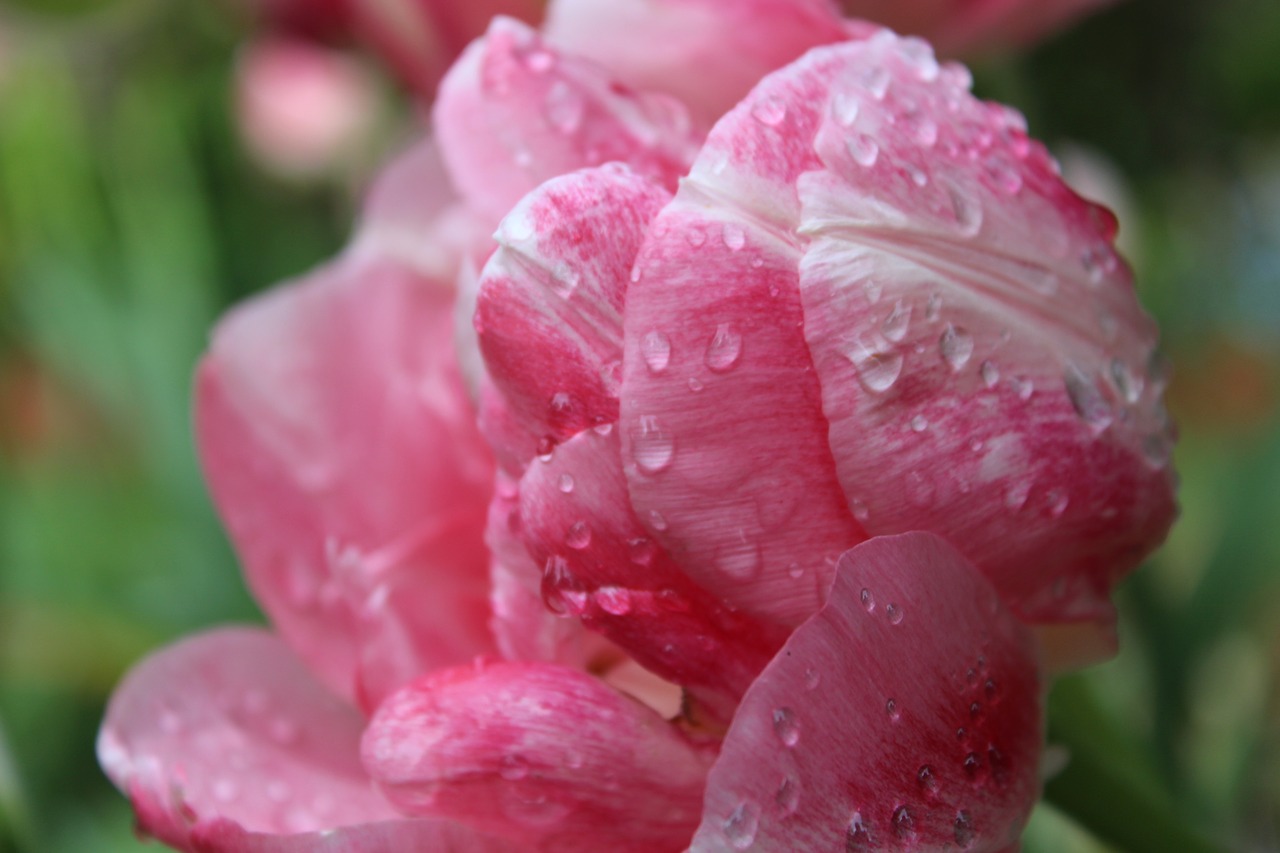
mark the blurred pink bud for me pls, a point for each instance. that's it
(303, 110)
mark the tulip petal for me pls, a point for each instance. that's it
(601, 566)
(982, 354)
(905, 715)
(539, 753)
(722, 425)
(732, 45)
(341, 451)
(549, 313)
(513, 113)
(225, 742)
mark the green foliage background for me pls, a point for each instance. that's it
(130, 217)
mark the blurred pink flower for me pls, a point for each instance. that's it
(303, 110)
(806, 410)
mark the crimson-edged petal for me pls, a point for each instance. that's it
(732, 45)
(224, 742)
(905, 715)
(514, 112)
(549, 312)
(602, 566)
(341, 451)
(985, 365)
(721, 416)
(544, 754)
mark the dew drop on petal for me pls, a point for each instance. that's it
(1086, 399)
(895, 325)
(956, 346)
(613, 599)
(967, 210)
(786, 727)
(769, 111)
(861, 511)
(724, 348)
(1057, 500)
(652, 447)
(844, 108)
(893, 613)
(903, 822)
(919, 423)
(741, 825)
(927, 778)
(857, 835)
(1015, 498)
(787, 797)
(655, 348)
(579, 536)
(657, 521)
(964, 831)
(877, 370)
(564, 108)
(876, 81)
(868, 600)
(933, 308)
(565, 483)
(734, 237)
(990, 374)
(864, 149)
(891, 708)
(812, 678)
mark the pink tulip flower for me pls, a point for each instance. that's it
(828, 418)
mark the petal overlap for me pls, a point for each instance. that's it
(905, 715)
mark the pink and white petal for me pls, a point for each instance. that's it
(601, 566)
(544, 754)
(523, 626)
(513, 113)
(226, 734)
(413, 213)
(341, 452)
(730, 44)
(722, 425)
(549, 313)
(983, 357)
(905, 715)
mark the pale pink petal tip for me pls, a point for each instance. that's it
(546, 755)
(905, 715)
(224, 742)
(513, 112)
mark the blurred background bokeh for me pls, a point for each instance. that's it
(142, 190)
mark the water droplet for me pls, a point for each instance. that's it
(857, 836)
(657, 521)
(741, 825)
(1016, 497)
(655, 348)
(812, 678)
(877, 370)
(972, 765)
(724, 349)
(1057, 500)
(864, 149)
(788, 796)
(1157, 448)
(956, 346)
(919, 423)
(868, 600)
(795, 571)
(904, 825)
(989, 689)
(844, 108)
(861, 511)
(894, 327)
(923, 129)
(613, 599)
(873, 289)
(876, 81)
(769, 111)
(893, 613)
(695, 236)
(566, 483)
(891, 708)
(964, 831)
(561, 402)
(933, 308)
(1128, 383)
(740, 560)
(919, 55)
(967, 210)
(603, 428)
(579, 536)
(514, 768)
(927, 778)
(652, 448)
(564, 108)
(975, 711)
(990, 374)
(1086, 399)
(785, 726)
(919, 176)
(1023, 387)
(545, 449)
(734, 237)
(540, 60)
(642, 550)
